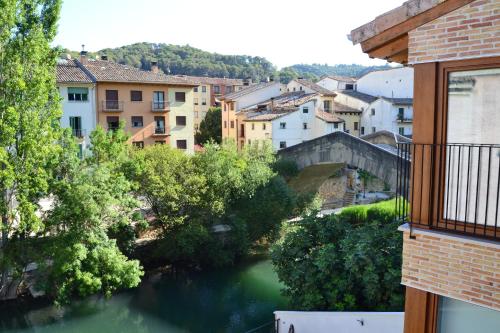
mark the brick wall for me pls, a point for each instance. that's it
(471, 31)
(452, 266)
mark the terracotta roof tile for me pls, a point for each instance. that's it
(328, 117)
(69, 71)
(315, 87)
(246, 91)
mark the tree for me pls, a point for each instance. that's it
(329, 263)
(29, 114)
(210, 127)
(366, 178)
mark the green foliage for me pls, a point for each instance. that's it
(210, 127)
(286, 168)
(329, 263)
(366, 177)
(318, 70)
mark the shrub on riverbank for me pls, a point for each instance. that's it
(350, 261)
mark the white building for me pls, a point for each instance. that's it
(77, 89)
(337, 83)
(393, 83)
(388, 114)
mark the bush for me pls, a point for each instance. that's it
(286, 168)
(346, 262)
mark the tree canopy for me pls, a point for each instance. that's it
(210, 127)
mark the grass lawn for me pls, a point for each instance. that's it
(310, 178)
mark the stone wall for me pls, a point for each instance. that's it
(471, 31)
(454, 266)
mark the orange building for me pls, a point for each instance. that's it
(450, 174)
(155, 107)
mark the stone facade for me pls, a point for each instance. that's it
(452, 266)
(472, 31)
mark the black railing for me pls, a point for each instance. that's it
(112, 106)
(160, 106)
(160, 130)
(452, 187)
(78, 132)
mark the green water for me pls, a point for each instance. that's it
(228, 300)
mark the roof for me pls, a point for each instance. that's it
(347, 79)
(268, 116)
(339, 107)
(289, 100)
(399, 101)
(70, 71)
(212, 80)
(315, 87)
(249, 90)
(108, 71)
(359, 95)
(328, 117)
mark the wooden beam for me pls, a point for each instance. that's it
(412, 23)
(388, 50)
(400, 58)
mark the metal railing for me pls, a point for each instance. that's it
(112, 106)
(160, 106)
(451, 187)
(160, 131)
(78, 132)
(403, 119)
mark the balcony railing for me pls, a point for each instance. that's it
(112, 106)
(160, 131)
(78, 132)
(160, 106)
(450, 187)
(402, 119)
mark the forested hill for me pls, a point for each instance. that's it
(187, 60)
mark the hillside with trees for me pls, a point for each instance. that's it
(188, 60)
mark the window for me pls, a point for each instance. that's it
(225, 107)
(160, 125)
(401, 113)
(282, 144)
(300, 88)
(112, 102)
(327, 105)
(180, 96)
(137, 121)
(336, 125)
(232, 106)
(225, 124)
(138, 144)
(196, 114)
(282, 125)
(373, 112)
(305, 110)
(160, 142)
(349, 86)
(374, 129)
(196, 101)
(113, 123)
(264, 126)
(203, 101)
(195, 89)
(204, 89)
(180, 120)
(253, 126)
(216, 89)
(76, 125)
(181, 144)
(304, 126)
(356, 125)
(78, 94)
(229, 89)
(456, 316)
(136, 95)
(232, 123)
(362, 130)
(402, 130)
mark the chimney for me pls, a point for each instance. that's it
(272, 104)
(83, 55)
(154, 67)
(104, 57)
(247, 81)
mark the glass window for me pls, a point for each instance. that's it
(203, 101)
(282, 144)
(455, 316)
(356, 125)
(181, 144)
(180, 96)
(305, 110)
(373, 112)
(195, 89)
(216, 89)
(402, 130)
(138, 144)
(304, 125)
(78, 94)
(137, 121)
(136, 95)
(180, 120)
(336, 125)
(196, 101)
(282, 125)
(204, 89)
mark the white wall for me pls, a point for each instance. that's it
(85, 110)
(340, 322)
(258, 96)
(351, 102)
(397, 82)
(296, 86)
(385, 118)
(332, 84)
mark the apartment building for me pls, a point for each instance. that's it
(78, 94)
(289, 119)
(208, 91)
(449, 175)
(156, 108)
(394, 82)
(337, 83)
(232, 105)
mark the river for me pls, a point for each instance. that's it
(228, 300)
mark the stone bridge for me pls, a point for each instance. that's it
(340, 147)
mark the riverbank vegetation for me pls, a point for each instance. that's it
(345, 262)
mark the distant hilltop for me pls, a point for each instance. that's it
(187, 60)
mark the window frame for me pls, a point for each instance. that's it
(180, 123)
(132, 121)
(132, 95)
(177, 94)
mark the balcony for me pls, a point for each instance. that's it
(404, 120)
(160, 131)
(78, 132)
(450, 187)
(160, 106)
(112, 106)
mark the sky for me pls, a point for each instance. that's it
(285, 32)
